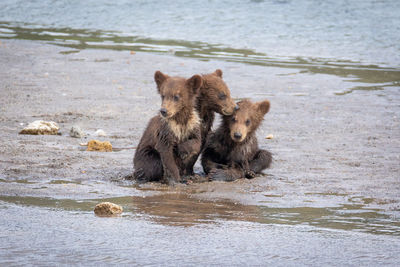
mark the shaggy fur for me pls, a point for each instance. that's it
(231, 152)
(171, 143)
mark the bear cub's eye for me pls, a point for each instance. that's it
(222, 96)
(176, 98)
(162, 97)
(233, 119)
(247, 122)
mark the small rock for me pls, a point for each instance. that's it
(270, 136)
(76, 132)
(100, 132)
(41, 127)
(96, 145)
(106, 209)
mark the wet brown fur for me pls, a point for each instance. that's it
(171, 143)
(226, 157)
(214, 96)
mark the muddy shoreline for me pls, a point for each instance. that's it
(324, 143)
(336, 149)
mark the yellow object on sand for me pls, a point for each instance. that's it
(96, 145)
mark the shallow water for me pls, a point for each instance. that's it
(173, 228)
(367, 76)
(356, 40)
(360, 31)
(186, 206)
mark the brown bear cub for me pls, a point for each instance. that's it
(171, 143)
(214, 96)
(231, 152)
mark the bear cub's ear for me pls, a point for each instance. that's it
(263, 107)
(194, 83)
(160, 78)
(218, 72)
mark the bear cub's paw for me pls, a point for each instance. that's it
(249, 174)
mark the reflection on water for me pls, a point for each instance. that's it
(374, 77)
(181, 209)
(32, 235)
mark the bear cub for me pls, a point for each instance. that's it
(232, 152)
(214, 96)
(171, 143)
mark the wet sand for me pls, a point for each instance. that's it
(335, 175)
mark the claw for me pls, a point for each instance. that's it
(249, 174)
(195, 178)
(139, 176)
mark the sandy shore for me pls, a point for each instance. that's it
(332, 196)
(330, 149)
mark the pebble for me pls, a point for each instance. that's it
(41, 128)
(100, 132)
(270, 136)
(76, 132)
(107, 209)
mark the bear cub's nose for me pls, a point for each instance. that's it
(163, 112)
(237, 135)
